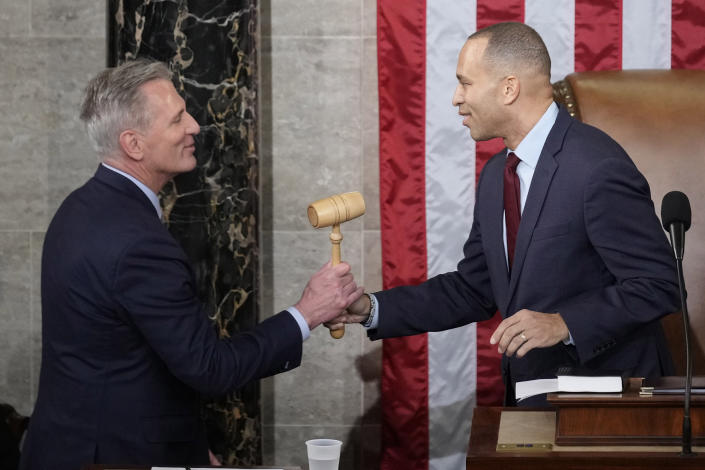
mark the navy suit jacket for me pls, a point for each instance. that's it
(127, 347)
(589, 246)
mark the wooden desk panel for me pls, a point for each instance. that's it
(628, 419)
(482, 453)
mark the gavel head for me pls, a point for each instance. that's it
(336, 209)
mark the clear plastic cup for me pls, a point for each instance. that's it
(323, 454)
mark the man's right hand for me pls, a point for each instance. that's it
(357, 312)
(327, 294)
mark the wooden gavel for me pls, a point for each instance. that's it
(333, 211)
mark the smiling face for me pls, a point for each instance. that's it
(169, 141)
(478, 95)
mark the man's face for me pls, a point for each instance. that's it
(478, 94)
(169, 143)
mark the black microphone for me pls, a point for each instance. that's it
(675, 217)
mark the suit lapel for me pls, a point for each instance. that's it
(540, 183)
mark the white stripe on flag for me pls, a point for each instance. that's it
(554, 20)
(450, 183)
(646, 34)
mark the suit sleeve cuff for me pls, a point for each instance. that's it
(305, 330)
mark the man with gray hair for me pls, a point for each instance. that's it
(127, 346)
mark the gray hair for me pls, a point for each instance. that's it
(113, 102)
(511, 45)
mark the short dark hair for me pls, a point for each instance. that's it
(511, 45)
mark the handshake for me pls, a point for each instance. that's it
(333, 298)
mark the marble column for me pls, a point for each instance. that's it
(212, 211)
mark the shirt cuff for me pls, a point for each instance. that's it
(373, 319)
(569, 341)
(305, 330)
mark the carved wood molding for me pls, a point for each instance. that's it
(563, 94)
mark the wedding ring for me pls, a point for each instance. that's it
(522, 336)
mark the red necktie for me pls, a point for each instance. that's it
(512, 203)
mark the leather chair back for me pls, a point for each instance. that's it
(658, 116)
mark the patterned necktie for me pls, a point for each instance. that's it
(512, 203)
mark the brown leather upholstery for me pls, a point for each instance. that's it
(658, 116)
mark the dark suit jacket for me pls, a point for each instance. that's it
(127, 347)
(589, 246)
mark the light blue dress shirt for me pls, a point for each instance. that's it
(154, 199)
(529, 151)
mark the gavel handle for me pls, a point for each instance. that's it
(335, 238)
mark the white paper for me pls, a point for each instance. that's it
(529, 388)
(603, 384)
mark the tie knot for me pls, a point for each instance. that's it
(512, 161)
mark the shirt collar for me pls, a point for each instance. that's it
(529, 149)
(153, 198)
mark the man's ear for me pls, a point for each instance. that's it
(132, 144)
(510, 89)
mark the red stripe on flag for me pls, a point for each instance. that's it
(490, 389)
(401, 58)
(687, 34)
(598, 35)
(490, 12)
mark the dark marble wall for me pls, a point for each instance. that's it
(212, 211)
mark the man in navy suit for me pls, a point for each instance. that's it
(127, 347)
(591, 273)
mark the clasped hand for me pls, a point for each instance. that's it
(327, 294)
(356, 312)
(526, 330)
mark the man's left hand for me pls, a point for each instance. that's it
(526, 330)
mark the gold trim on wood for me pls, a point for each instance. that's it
(563, 94)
